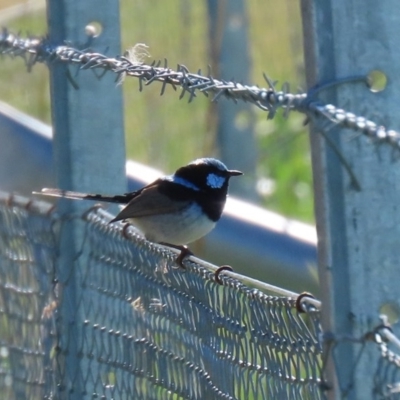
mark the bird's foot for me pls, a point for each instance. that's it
(184, 252)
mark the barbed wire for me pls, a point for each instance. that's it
(40, 50)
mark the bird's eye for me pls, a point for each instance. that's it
(215, 181)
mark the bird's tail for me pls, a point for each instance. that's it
(119, 199)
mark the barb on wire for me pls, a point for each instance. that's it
(34, 50)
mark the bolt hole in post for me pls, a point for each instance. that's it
(377, 81)
(391, 311)
(93, 29)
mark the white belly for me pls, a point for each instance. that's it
(179, 229)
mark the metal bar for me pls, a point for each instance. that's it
(88, 151)
(30, 141)
(358, 231)
(263, 286)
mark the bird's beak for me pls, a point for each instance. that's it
(233, 172)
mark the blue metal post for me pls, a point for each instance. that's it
(89, 152)
(358, 231)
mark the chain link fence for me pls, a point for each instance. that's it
(126, 322)
(137, 325)
(121, 320)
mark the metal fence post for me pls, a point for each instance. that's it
(358, 231)
(229, 48)
(89, 150)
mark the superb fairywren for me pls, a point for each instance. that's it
(175, 209)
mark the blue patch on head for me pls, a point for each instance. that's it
(215, 181)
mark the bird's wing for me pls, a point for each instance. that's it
(149, 201)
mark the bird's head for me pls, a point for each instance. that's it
(205, 174)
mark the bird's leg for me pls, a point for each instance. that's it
(185, 252)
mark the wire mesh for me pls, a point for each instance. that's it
(27, 256)
(387, 377)
(139, 326)
(126, 322)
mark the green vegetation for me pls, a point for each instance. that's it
(166, 132)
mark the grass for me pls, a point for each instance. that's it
(166, 132)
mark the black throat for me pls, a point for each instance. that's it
(211, 201)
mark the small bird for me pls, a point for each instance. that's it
(173, 210)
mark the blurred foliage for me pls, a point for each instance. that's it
(165, 134)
